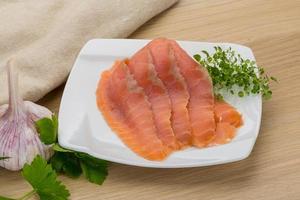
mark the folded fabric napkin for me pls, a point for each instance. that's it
(44, 37)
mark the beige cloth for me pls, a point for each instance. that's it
(44, 37)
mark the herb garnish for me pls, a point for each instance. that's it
(69, 162)
(43, 180)
(230, 71)
(42, 176)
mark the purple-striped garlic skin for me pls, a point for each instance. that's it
(19, 139)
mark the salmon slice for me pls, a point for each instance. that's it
(228, 120)
(225, 132)
(146, 77)
(126, 109)
(224, 112)
(159, 54)
(201, 102)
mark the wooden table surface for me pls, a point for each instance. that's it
(272, 30)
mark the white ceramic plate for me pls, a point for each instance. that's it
(82, 127)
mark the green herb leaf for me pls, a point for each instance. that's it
(55, 123)
(47, 128)
(274, 79)
(43, 180)
(230, 72)
(57, 147)
(197, 57)
(94, 174)
(66, 163)
(241, 93)
(95, 170)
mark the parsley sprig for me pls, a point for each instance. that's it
(69, 162)
(43, 180)
(236, 75)
(42, 175)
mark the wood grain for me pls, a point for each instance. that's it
(272, 30)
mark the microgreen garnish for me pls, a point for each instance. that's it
(236, 75)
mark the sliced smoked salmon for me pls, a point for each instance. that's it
(146, 77)
(164, 63)
(126, 109)
(201, 101)
(224, 112)
(224, 134)
(160, 100)
(228, 120)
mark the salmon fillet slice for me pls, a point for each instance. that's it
(146, 77)
(158, 53)
(224, 112)
(126, 109)
(201, 102)
(228, 120)
(225, 132)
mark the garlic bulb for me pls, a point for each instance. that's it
(19, 139)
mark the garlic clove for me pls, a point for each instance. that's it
(19, 139)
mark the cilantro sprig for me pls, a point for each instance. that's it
(43, 180)
(42, 176)
(73, 164)
(68, 162)
(48, 129)
(236, 75)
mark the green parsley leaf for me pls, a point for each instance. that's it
(42, 176)
(43, 180)
(55, 123)
(58, 148)
(66, 163)
(47, 128)
(95, 170)
(69, 162)
(94, 174)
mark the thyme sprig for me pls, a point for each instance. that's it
(235, 74)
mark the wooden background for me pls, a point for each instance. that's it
(272, 30)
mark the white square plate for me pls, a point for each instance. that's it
(82, 127)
